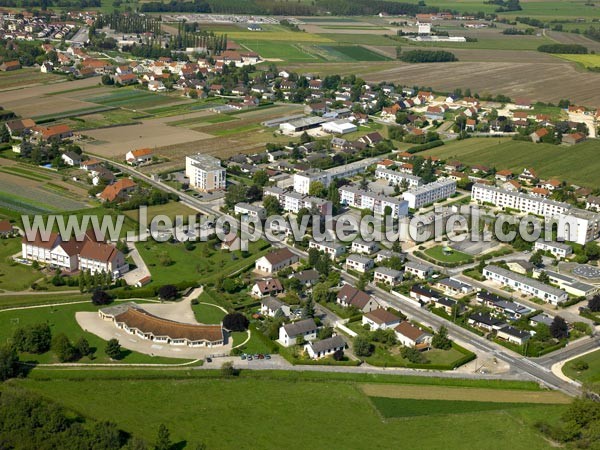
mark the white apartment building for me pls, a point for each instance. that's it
(246, 209)
(359, 263)
(558, 249)
(294, 201)
(525, 285)
(205, 172)
(394, 177)
(430, 192)
(574, 224)
(303, 180)
(333, 249)
(359, 198)
(517, 200)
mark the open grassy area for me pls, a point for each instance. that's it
(14, 276)
(357, 53)
(40, 298)
(170, 209)
(170, 263)
(282, 50)
(591, 374)
(448, 256)
(272, 409)
(208, 313)
(62, 320)
(577, 164)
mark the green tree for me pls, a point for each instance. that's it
(113, 349)
(65, 351)
(316, 189)
(441, 340)
(260, 178)
(362, 347)
(272, 205)
(536, 259)
(308, 310)
(163, 439)
(227, 369)
(559, 328)
(320, 293)
(9, 362)
(83, 347)
(413, 355)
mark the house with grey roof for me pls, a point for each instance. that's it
(325, 347)
(288, 333)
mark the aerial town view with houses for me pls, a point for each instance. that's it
(225, 222)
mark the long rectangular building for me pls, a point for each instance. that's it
(359, 198)
(394, 177)
(293, 201)
(429, 193)
(525, 284)
(578, 225)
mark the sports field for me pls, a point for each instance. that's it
(578, 164)
(245, 412)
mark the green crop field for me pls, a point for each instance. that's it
(584, 60)
(286, 51)
(364, 39)
(578, 164)
(267, 410)
(591, 374)
(21, 78)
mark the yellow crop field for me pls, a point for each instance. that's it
(585, 60)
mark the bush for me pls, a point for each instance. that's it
(235, 322)
(427, 56)
(580, 366)
(113, 349)
(100, 297)
(362, 347)
(573, 49)
(167, 292)
(33, 339)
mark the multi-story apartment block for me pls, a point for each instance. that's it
(395, 178)
(429, 193)
(205, 172)
(359, 198)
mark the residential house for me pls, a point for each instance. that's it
(139, 156)
(307, 278)
(71, 158)
(558, 249)
(363, 247)
(485, 321)
(334, 249)
(305, 329)
(359, 263)
(350, 296)
(418, 269)
(385, 275)
(265, 288)
(513, 335)
(276, 261)
(380, 319)
(455, 287)
(325, 347)
(272, 307)
(573, 138)
(118, 191)
(410, 335)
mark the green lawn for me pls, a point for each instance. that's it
(62, 320)
(132, 98)
(269, 412)
(286, 51)
(170, 209)
(592, 374)
(578, 164)
(170, 263)
(453, 256)
(356, 53)
(46, 298)
(386, 358)
(210, 314)
(14, 276)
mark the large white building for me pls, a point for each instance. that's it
(359, 198)
(302, 180)
(205, 172)
(517, 200)
(525, 285)
(394, 177)
(293, 202)
(576, 225)
(429, 193)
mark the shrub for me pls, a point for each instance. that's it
(235, 322)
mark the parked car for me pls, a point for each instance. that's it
(267, 356)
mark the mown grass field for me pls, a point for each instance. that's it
(578, 164)
(172, 262)
(268, 410)
(208, 313)
(454, 256)
(14, 276)
(592, 374)
(170, 209)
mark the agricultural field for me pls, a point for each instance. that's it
(207, 402)
(33, 190)
(577, 164)
(591, 374)
(585, 60)
(61, 319)
(14, 276)
(104, 119)
(356, 53)
(172, 262)
(19, 79)
(132, 98)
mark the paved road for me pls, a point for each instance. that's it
(571, 350)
